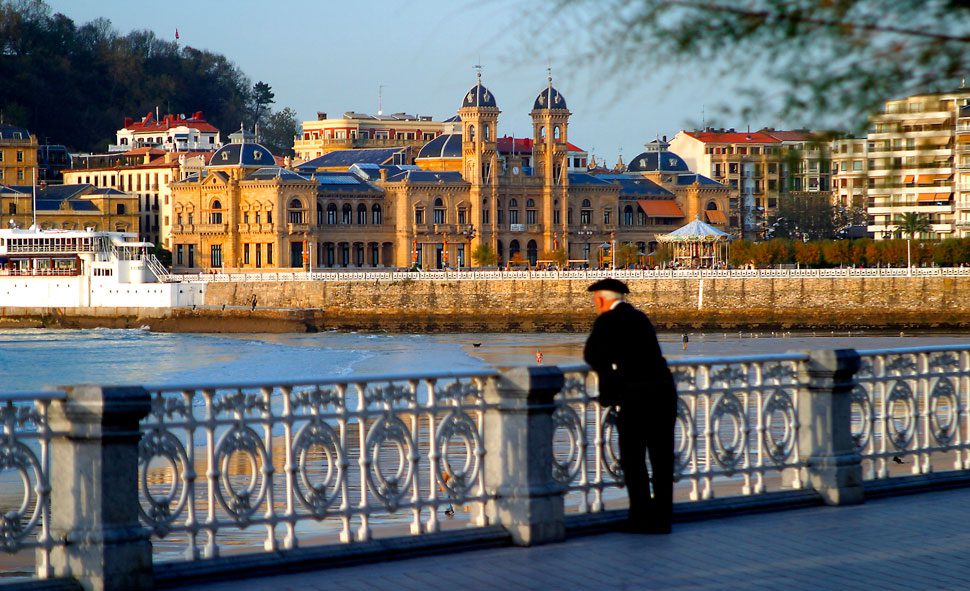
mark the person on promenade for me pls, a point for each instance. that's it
(633, 377)
(253, 302)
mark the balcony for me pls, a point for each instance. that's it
(212, 228)
(445, 229)
(534, 228)
(297, 228)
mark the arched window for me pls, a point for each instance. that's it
(485, 212)
(711, 206)
(530, 202)
(319, 213)
(332, 214)
(294, 213)
(215, 216)
(556, 214)
(439, 211)
(532, 252)
(641, 248)
(361, 214)
(556, 133)
(471, 133)
(375, 214)
(542, 131)
(485, 133)
(586, 203)
(628, 215)
(347, 214)
(120, 209)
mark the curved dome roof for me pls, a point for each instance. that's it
(479, 96)
(549, 98)
(242, 155)
(444, 146)
(662, 161)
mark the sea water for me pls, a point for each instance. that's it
(32, 359)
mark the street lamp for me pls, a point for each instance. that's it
(468, 232)
(585, 233)
(612, 251)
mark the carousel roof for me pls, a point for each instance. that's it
(696, 231)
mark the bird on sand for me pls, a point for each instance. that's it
(476, 344)
(898, 460)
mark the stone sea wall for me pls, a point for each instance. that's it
(539, 305)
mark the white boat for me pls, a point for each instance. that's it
(82, 268)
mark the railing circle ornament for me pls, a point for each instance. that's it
(244, 443)
(390, 431)
(779, 428)
(457, 430)
(318, 493)
(164, 503)
(18, 523)
(611, 454)
(944, 411)
(860, 406)
(727, 418)
(684, 444)
(901, 415)
(566, 467)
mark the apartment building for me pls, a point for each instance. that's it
(172, 133)
(360, 130)
(914, 152)
(850, 171)
(18, 155)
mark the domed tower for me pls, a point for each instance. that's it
(479, 126)
(550, 133)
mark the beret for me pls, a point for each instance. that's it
(609, 284)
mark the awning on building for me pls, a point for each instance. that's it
(963, 137)
(716, 216)
(926, 179)
(660, 208)
(909, 178)
(933, 197)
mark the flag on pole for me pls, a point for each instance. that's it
(176, 34)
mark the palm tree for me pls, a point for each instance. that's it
(912, 223)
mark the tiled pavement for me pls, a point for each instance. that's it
(911, 542)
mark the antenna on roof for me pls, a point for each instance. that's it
(380, 99)
(703, 117)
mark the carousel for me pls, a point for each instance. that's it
(697, 245)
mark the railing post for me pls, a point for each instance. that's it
(526, 500)
(834, 467)
(94, 503)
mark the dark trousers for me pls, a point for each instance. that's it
(637, 436)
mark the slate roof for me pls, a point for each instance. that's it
(549, 98)
(479, 96)
(690, 179)
(424, 176)
(51, 197)
(636, 187)
(272, 172)
(664, 161)
(242, 155)
(343, 182)
(443, 146)
(348, 158)
(584, 178)
(13, 132)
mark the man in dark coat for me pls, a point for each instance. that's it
(633, 376)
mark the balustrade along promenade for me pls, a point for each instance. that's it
(143, 487)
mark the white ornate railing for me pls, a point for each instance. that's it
(471, 275)
(736, 430)
(911, 406)
(25, 454)
(342, 452)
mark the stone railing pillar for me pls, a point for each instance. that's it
(834, 467)
(94, 500)
(528, 502)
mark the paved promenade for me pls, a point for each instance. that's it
(910, 542)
